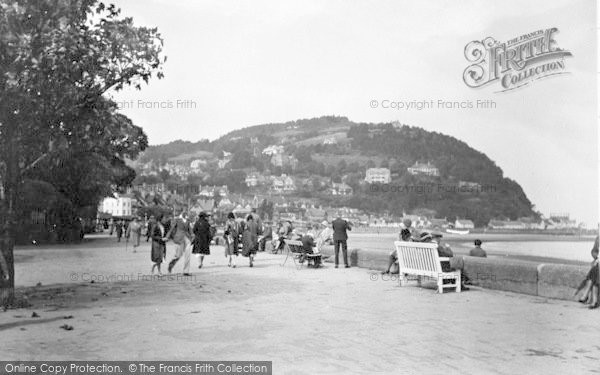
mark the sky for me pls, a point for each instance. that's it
(233, 64)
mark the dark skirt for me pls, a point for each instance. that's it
(249, 244)
(157, 252)
(203, 249)
(593, 275)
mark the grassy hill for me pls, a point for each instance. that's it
(359, 146)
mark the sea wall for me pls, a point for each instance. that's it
(544, 280)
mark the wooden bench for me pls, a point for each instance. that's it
(422, 259)
(296, 251)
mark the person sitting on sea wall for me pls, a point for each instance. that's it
(405, 235)
(590, 283)
(477, 251)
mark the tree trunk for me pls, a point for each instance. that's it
(7, 287)
(7, 220)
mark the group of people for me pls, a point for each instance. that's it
(456, 262)
(242, 233)
(313, 239)
(189, 237)
(131, 230)
(195, 236)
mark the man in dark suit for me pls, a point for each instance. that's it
(181, 234)
(340, 237)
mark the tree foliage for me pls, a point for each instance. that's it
(59, 60)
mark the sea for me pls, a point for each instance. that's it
(558, 249)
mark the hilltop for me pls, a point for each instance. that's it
(429, 173)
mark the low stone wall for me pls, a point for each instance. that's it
(544, 280)
(560, 280)
(501, 274)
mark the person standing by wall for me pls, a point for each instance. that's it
(340, 238)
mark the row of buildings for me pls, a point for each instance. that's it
(219, 199)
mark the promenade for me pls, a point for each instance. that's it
(307, 321)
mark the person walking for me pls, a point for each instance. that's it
(119, 230)
(180, 232)
(202, 237)
(340, 238)
(149, 225)
(134, 230)
(158, 247)
(231, 239)
(250, 239)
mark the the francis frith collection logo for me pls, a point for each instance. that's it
(514, 63)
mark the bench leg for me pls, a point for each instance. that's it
(440, 285)
(403, 279)
(420, 281)
(458, 283)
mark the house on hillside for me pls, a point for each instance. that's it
(209, 191)
(222, 163)
(273, 150)
(378, 175)
(283, 160)
(283, 184)
(252, 180)
(423, 169)
(340, 189)
(198, 164)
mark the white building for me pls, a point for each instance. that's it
(198, 163)
(340, 189)
(116, 206)
(273, 150)
(424, 169)
(252, 180)
(283, 183)
(463, 224)
(378, 175)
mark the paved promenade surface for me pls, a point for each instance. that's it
(306, 321)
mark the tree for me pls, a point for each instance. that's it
(164, 175)
(58, 61)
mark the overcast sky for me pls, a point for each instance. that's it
(252, 62)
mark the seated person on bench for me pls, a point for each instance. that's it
(455, 263)
(405, 235)
(308, 243)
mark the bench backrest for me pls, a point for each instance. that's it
(295, 246)
(418, 257)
